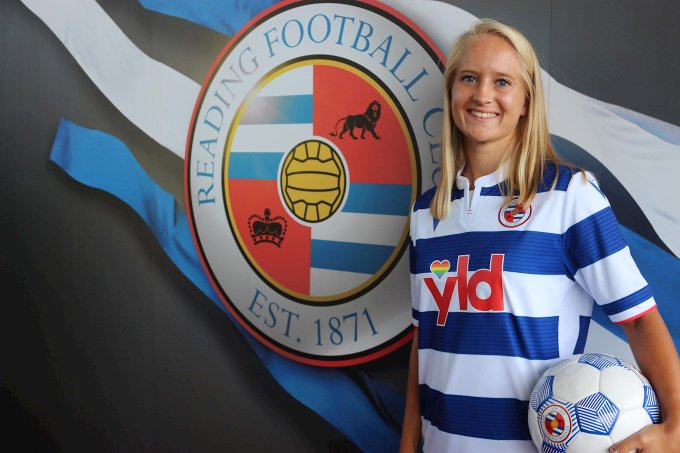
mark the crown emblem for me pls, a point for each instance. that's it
(267, 228)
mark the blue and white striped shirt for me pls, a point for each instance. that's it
(502, 292)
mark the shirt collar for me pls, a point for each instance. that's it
(490, 180)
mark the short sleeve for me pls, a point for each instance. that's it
(596, 255)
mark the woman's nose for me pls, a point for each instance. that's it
(483, 93)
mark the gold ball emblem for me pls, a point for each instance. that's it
(313, 181)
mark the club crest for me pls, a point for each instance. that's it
(513, 214)
(556, 423)
(314, 116)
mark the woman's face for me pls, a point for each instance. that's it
(488, 96)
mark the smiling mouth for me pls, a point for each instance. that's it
(482, 115)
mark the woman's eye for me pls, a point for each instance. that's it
(503, 83)
(467, 79)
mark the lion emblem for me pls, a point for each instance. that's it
(365, 121)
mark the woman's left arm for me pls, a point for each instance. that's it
(657, 358)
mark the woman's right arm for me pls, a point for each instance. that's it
(410, 434)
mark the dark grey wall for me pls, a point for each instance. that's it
(106, 346)
(620, 51)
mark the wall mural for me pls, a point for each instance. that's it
(312, 134)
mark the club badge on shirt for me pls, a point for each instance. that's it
(513, 214)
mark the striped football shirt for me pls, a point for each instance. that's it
(501, 292)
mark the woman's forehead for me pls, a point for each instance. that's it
(490, 54)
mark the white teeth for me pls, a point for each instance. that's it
(484, 115)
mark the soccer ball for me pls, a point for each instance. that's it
(589, 402)
(313, 181)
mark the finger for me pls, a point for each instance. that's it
(630, 444)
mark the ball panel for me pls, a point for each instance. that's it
(299, 209)
(328, 196)
(622, 386)
(311, 214)
(555, 369)
(312, 182)
(325, 153)
(576, 381)
(284, 184)
(635, 370)
(313, 149)
(589, 443)
(324, 210)
(630, 421)
(596, 414)
(342, 187)
(651, 405)
(533, 428)
(598, 361)
(547, 448)
(300, 152)
(542, 392)
(312, 166)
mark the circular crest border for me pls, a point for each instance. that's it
(354, 358)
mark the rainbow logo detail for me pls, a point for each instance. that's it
(440, 268)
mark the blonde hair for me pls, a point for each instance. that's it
(531, 147)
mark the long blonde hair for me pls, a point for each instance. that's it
(531, 148)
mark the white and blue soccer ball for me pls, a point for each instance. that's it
(589, 402)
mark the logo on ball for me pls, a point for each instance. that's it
(556, 423)
(588, 402)
(313, 181)
(315, 115)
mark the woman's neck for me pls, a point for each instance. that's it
(480, 163)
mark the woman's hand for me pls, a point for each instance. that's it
(657, 358)
(664, 437)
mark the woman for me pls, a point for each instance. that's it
(507, 254)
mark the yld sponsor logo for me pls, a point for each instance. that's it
(481, 289)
